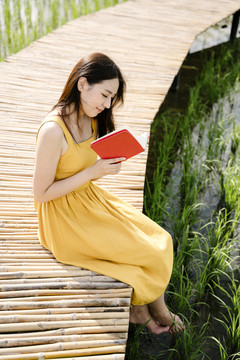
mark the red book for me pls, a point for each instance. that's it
(120, 143)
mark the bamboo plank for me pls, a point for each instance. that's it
(34, 340)
(47, 325)
(66, 353)
(51, 280)
(56, 310)
(104, 357)
(6, 319)
(62, 296)
(47, 274)
(64, 303)
(63, 346)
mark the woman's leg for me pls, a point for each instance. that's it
(163, 316)
(139, 314)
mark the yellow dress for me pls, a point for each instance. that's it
(93, 229)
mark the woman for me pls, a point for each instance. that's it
(79, 222)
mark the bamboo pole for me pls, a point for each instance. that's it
(59, 293)
(48, 325)
(57, 267)
(61, 346)
(62, 296)
(49, 310)
(55, 311)
(96, 357)
(17, 318)
(82, 273)
(37, 340)
(53, 334)
(39, 274)
(67, 353)
(82, 285)
(64, 303)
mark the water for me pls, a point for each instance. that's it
(226, 112)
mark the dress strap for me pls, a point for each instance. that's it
(60, 122)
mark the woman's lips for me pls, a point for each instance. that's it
(99, 110)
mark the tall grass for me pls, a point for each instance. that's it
(192, 190)
(23, 21)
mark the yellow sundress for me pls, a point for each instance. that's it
(93, 229)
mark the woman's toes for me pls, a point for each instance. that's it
(156, 329)
(177, 325)
(173, 321)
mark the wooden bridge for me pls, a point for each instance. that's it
(47, 309)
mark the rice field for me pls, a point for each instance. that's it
(192, 189)
(23, 21)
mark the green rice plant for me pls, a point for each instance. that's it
(220, 231)
(155, 204)
(67, 10)
(230, 318)
(190, 345)
(215, 133)
(40, 25)
(214, 269)
(55, 5)
(222, 348)
(182, 222)
(231, 180)
(235, 138)
(96, 5)
(19, 24)
(231, 185)
(217, 79)
(180, 291)
(75, 10)
(7, 42)
(186, 254)
(215, 255)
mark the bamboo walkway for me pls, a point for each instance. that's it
(47, 309)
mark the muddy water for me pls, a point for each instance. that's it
(226, 111)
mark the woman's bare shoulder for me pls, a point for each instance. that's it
(51, 130)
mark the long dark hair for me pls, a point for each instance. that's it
(95, 68)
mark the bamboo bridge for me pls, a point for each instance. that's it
(47, 309)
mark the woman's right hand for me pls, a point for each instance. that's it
(104, 167)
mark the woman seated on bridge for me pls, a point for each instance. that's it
(81, 223)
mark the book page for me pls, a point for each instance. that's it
(143, 139)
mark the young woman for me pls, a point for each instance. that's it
(79, 222)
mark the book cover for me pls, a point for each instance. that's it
(120, 143)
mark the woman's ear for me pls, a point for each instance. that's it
(82, 83)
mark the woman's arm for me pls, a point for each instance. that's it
(49, 147)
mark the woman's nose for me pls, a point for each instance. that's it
(107, 102)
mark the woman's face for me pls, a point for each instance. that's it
(97, 97)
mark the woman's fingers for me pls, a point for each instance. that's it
(116, 160)
(115, 167)
(104, 167)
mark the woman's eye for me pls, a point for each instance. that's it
(104, 95)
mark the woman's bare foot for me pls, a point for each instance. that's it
(164, 317)
(139, 314)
